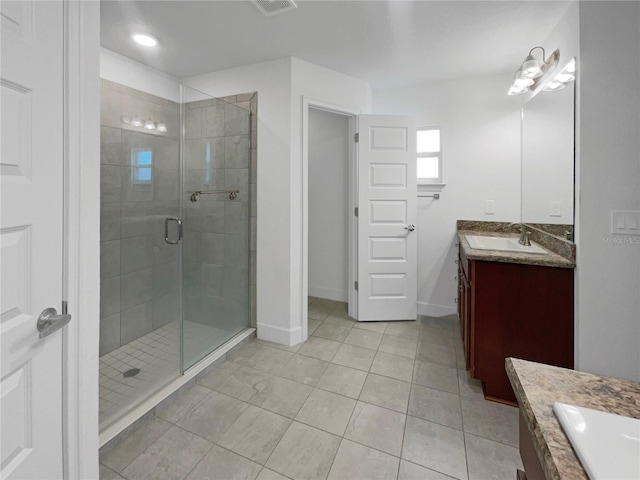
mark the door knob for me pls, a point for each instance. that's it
(49, 321)
(411, 228)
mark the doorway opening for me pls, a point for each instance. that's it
(329, 224)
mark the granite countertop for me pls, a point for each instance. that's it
(551, 259)
(538, 386)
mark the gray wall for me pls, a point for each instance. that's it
(139, 271)
(608, 178)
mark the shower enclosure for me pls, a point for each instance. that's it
(175, 280)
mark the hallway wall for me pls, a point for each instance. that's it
(329, 144)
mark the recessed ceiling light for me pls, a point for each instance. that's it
(144, 39)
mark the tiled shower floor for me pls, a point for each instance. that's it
(383, 400)
(157, 355)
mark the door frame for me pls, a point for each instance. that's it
(81, 263)
(352, 114)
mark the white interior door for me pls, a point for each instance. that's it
(387, 240)
(31, 237)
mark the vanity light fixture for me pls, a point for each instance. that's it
(149, 124)
(528, 76)
(566, 75)
(145, 39)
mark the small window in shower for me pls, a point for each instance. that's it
(141, 162)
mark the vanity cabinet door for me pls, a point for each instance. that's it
(466, 324)
(464, 310)
(521, 311)
(460, 298)
(464, 305)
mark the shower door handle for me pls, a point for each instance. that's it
(166, 230)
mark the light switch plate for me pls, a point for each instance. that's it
(489, 207)
(625, 222)
(555, 209)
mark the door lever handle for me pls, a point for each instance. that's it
(411, 228)
(49, 321)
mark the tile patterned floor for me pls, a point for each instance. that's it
(157, 355)
(356, 401)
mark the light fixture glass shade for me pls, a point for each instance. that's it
(531, 68)
(136, 122)
(553, 85)
(565, 77)
(161, 127)
(516, 90)
(149, 125)
(570, 67)
(520, 81)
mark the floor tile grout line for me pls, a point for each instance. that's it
(369, 373)
(358, 399)
(492, 440)
(223, 447)
(406, 420)
(201, 459)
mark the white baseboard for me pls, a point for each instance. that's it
(328, 293)
(283, 336)
(434, 310)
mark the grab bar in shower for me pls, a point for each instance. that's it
(195, 196)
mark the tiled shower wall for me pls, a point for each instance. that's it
(217, 266)
(139, 271)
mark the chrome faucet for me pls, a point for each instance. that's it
(524, 234)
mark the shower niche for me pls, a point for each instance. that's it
(176, 280)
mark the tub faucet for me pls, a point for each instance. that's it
(524, 234)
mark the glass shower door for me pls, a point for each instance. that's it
(140, 307)
(216, 163)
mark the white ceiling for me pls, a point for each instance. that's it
(387, 43)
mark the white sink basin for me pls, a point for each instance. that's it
(504, 244)
(607, 445)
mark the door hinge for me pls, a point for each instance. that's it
(65, 307)
(356, 137)
(356, 285)
(355, 211)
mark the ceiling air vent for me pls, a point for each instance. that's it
(273, 7)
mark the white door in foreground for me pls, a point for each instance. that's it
(31, 238)
(387, 240)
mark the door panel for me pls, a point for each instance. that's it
(31, 237)
(387, 249)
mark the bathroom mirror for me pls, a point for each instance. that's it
(548, 160)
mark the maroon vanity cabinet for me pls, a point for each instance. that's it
(513, 310)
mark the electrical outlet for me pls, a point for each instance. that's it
(625, 222)
(555, 209)
(489, 207)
